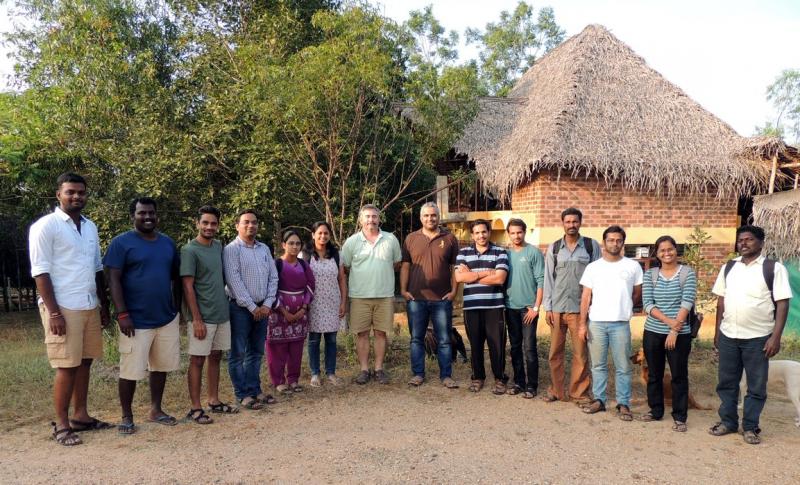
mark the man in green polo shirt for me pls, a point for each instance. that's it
(371, 257)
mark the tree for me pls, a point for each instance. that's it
(512, 45)
(784, 93)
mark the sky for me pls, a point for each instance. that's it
(723, 54)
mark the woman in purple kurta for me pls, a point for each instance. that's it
(288, 324)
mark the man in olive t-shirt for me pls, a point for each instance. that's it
(209, 329)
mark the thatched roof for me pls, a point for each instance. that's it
(779, 215)
(592, 107)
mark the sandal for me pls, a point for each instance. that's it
(648, 417)
(199, 416)
(251, 403)
(222, 407)
(751, 437)
(596, 406)
(266, 399)
(679, 426)
(499, 388)
(547, 397)
(514, 390)
(93, 425)
(65, 436)
(476, 386)
(283, 389)
(529, 394)
(720, 429)
(416, 381)
(296, 387)
(624, 412)
(126, 426)
(164, 419)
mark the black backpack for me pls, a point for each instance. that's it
(588, 244)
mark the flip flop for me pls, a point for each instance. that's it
(93, 425)
(126, 427)
(164, 419)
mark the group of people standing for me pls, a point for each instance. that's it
(240, 298)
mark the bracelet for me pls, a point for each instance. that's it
(122, 315)
(56, 315)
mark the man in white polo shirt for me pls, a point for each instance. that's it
(753, 302)
(65, 263)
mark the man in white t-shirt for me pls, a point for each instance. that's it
(753, 301)
(610, 286)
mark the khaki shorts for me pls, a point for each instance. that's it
(153, 349)
(372, 314)
(83, 340)
(218, 337)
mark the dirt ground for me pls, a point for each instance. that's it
(389, 434)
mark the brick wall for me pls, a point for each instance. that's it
(639, 213)
(547, 195)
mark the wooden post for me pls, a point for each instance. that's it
(443, 195)
(773, 174)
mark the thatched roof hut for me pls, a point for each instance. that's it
(593, 107)
(779, 215)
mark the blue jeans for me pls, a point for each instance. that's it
(617, 337)
(247, 350)
(736, 355)
(440, 313)
(314, 339)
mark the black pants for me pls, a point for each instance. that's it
(486, 326)
(678, 358)
(523, 343)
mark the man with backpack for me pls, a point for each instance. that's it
(753, 303)
(565, 261)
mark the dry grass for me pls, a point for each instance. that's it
(26, 377)
(593, 107)
(779, 215)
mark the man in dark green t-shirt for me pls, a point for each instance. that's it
(208, 327)
(524, 288)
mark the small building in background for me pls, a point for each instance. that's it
(592, 126)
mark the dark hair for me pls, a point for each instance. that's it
(143, 201)
(69, 177)
(518, 223)
(660, 240)
(289, 233)
(614, 229)
(246, 211)
(754, 230)
(207, 209)
(310, 250)
(479, 222)
(572, 212)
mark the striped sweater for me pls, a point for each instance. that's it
(668, 297)
(478, 296)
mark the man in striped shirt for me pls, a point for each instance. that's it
(483, 268)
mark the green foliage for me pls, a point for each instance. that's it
(291, 107)
(784, 93)
(512, 45)
(693, 256)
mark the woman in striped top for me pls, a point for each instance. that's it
(668, 295)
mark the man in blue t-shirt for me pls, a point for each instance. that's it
(143, 267)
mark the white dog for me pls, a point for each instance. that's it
(786, 371)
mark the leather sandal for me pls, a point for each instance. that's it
(596, 406)
(476, 385)
(720, 429)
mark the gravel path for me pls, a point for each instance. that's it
(394, 434)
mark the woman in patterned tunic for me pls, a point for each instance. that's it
(330, 301)
(288, 324)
